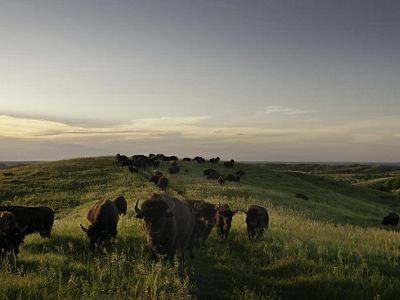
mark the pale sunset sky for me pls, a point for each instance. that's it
(250, 80)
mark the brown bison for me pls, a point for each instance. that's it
(168, 224)
(391, 219)
(121, 204)
(121, 158)
(199, 160)
(11, 234)
(221, 180)
(187, 159)
(205, 219)
(257, 221)
(215, 160)
(36, 219)
(224, 217)
(103, 218)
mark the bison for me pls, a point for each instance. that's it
(120, 203)
(257, 221)
(215, 160)
(36, 219)
(199, 160)
(391, 219)
(221, 180)
(224, 217)
(187, 159)
(121, 158)
(205, 219)
(174, 169)
(229, 164)
(133, 169)
(168, 224)
(11, 234)
(163, 183)
(103, 218)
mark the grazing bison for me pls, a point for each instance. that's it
(229, 164)
(221, 180)
(120, 203)
(11, 234)
(163, 183)
(170, 158)
(103, 218)
(205, 220)
(174, 169)
(168, 224)
(391, 219)
(257, 221)
(224, 217)
(187, 159)
(36, 219)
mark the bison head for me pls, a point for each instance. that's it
(156, 214)
(95, 236)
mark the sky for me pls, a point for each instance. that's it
(250, 80)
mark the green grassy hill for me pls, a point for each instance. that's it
(330, 246)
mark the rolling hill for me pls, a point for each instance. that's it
(330, 246)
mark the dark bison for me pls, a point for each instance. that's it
(214, 175)
(174, 169)
(215, 160)
(163, 183)
(199, 160)
(221, 180)
(156, 177)
(205, 220)
(391, 219)
(257, 221)
(170, 158)
(103, 218)
(36, 219)
(224, 217)
(121, 158)
(11, 234)
(120, 203)
(229, 164)
(187, 159)
(168, 224)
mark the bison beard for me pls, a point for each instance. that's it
(168, 224)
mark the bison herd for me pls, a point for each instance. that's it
(172, 226)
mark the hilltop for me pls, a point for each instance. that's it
(331, 245)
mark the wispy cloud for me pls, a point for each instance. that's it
(287, 111)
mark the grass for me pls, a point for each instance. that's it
(328, 247)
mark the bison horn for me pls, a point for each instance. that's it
(244, 212)
(83, 228)
(137, 209)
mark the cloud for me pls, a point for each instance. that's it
(195, 135)
(287, 111)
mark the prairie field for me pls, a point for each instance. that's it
(331, 246)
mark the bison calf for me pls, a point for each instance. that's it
(391, 219)
(224, 217)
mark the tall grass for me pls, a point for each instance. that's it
(330, 247)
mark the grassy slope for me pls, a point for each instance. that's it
(330, 246)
